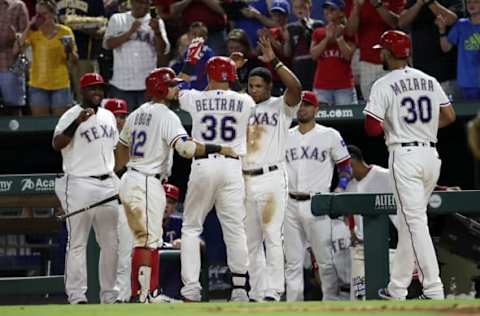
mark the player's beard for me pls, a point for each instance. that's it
(385, 65)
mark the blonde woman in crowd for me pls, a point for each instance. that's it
(53, 46)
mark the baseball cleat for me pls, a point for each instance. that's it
(161, 299)
(384, 294)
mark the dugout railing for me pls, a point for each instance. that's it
(37, 190)
(375, 209)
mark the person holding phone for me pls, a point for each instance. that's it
(49, 84)
(138, 40)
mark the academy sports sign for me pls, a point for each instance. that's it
(20, 184)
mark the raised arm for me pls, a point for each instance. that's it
(293, 86)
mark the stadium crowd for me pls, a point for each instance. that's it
(45, 46)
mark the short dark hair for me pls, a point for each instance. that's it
(355, 152)
(261, 72)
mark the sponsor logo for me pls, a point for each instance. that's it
(338, 113)
(385, 202)
(5, 186)
(435, 201)
(38, 185)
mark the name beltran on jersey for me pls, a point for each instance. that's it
(219, 104)
(414, 84)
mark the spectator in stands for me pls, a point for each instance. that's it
(237, 41)
(199, 78)
(333, 83)
(209, 12)
(465, 34)
(53, 46)
(427, 55)
(298, 37)
(368, 19)
(136, 39)
(178, 59)
(253, 16)
(88, 34)
(280, 11)
(14, 18)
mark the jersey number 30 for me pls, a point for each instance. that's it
(138, 140)
(227, 130)
(417, 110)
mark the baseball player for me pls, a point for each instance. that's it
(125, 238)
(312, 153)
(119, 108)
(172, 222)
(86, 135)
(366, 179)
(264, 173)
(219, 115)
(409, 106)
(145, 146)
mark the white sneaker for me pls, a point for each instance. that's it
(161, 299)
(239, 295)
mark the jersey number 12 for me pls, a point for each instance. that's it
(138, 140)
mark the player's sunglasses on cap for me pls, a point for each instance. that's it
(310, 97)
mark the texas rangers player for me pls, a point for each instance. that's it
(119, 108)
(366, 179)
(146, 142)
(410, 106)
(125, 238)
(264, 173)
(312, 152)
(219, 115)
(86, 135)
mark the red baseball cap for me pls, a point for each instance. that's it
(116, 106)
(171, 191)
(310, 97)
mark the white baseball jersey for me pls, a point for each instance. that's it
(268, 131)
(90, 152)
(219, 116)
(150, 132)
(408, 101)
(311, 158)
(377, 180)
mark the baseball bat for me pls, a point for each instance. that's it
(109, 199)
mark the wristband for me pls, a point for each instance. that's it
(444, 34)
(279, 65)
(275, 61)
(343, 182)
(70, 130)
(212, 148)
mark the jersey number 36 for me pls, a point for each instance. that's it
(421, 109)
(223, 127)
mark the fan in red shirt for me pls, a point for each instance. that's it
(368, 19)
(333, 51)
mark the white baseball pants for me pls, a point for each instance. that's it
(414, 174)
(75, 193)
(330, 242)
(215, 181)
(265, 203)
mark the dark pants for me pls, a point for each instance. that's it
(134, 98)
